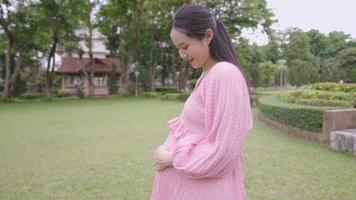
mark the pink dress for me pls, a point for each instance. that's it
(207, 140)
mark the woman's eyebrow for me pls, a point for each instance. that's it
(181, 43)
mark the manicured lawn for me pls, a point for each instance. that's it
(102, 149)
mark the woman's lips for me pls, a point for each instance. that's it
(190, 61)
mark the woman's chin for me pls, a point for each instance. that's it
(195, 66)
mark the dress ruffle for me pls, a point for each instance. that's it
(176, 128)
(183, 134)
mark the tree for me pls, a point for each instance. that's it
(318, 43)
(347, 63)
(126, 16)
(268, 72)
(337, 41)
(89, 25)
(241, 14)
(18, 25)
(299, 72)
(61, 18)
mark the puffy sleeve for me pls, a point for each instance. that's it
(227, 120)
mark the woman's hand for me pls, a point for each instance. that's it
(163, 158)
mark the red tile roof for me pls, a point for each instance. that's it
(72, 65)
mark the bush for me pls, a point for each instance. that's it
(324, 102)
(177, 96)
(61, 93)
(1, 85)
(112, 81)
(324, 98)
(31, 95)
(80, 91)
(150, 94)
(335, 87)
(19, 86)
(166, 90)
(304, 117)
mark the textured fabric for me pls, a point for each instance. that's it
(207, 140)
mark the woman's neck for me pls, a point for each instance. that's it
(209, 64)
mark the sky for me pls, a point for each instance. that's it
(323, 15)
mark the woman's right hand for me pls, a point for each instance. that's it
(162, 158)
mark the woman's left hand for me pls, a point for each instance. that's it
(163, 158)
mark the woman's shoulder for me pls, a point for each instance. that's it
(225, 69)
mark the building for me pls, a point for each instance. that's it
(71, 67)
(72, 72)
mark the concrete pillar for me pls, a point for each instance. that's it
(337, 120)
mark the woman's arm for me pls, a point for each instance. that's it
(228, 120)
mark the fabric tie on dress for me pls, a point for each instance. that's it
(176, 127)
(179, 131)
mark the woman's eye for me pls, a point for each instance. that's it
(185, 48)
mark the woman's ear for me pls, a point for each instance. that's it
(209, 34)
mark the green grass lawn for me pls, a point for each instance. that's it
(102, 149)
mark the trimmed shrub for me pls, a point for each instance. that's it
(324, 98)
(304, 117)
(61, 93)
(335, 87)
(80, 91)
(150, 94)
(166, 90)
(176, 96)
(31, 95)
(323, 102)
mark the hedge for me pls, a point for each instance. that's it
(167, 96)
(319, 98)
(323, 102)
(177, 96)
(61, 93)
(150, 94)
(305, 117)
(335, 87)
(166, 90)
(31, 95)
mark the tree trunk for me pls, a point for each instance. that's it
(6, 92)
(10, 77)
(49, 74)
(91, 57)
(151, 69)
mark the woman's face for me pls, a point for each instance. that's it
(194, 51)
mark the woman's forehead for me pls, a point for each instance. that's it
(178, 37)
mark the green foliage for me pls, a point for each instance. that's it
(323, 102)
(318, 43)
(241, 14)
(61, 93)
(112, 81)
(150, 94)
(31, 95)
(308, 118)
(1, 84)
(19, 85)
(268, 73)
(80, 91)
(319, 98)
(335, 87)
(298, 46)
(166, 90)
(300, 72)
(337, 41)
(347, 62)
(175, 96)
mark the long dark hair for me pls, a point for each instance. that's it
(194, 20)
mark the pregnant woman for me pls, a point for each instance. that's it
(201, 159)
